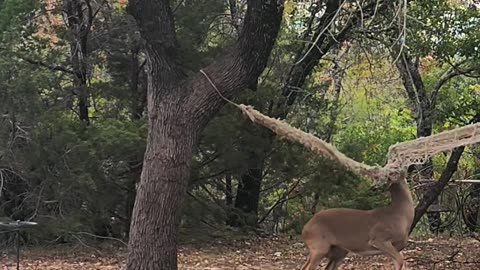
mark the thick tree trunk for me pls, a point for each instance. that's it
(228, 190)
(250, 182)
(166, 170)
(248, 193)
(79, 16)
(137, 84)
(179, 107)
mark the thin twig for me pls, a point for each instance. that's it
(101, 237)
(321, 33)
(1, 182)
(284, 198)
(83, 243)
(45, 65)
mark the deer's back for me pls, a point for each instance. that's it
(347, 228)
(337, 226)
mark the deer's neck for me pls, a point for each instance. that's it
(401, 195)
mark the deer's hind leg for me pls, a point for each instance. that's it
(306, 263)
(335, 256)
(317, 252)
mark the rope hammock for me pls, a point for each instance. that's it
(400, 155)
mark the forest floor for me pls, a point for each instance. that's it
(254, 253)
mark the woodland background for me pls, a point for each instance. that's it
(73, 127)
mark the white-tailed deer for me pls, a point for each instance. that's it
(334, 233)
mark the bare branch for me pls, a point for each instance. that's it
(402, 29)
(451, 73)
(403, 68)
(100, 237)
(178, 6)
(45, 65)
(284, 198)
(206, 177)
(90, 14)
(243, 64)
(300, 71)
(94, 15)
(2, 182)
(334, 8)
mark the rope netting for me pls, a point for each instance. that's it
(400, 155)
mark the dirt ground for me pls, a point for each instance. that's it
(256, 253)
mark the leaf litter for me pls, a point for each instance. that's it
(254, 253)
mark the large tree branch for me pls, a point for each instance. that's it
(52, 67)
(156, 24)
(241, 66)
(306, 59)
(411, 73)
(324, 41)
(451, 73)
(415, 88)
(407, 82)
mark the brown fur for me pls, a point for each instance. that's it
(334, 233)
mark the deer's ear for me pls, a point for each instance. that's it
(402, 174)
(397, 175)
(381, 187)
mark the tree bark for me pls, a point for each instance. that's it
(79, 17)
(137, 84)
(248, 193)
(166, 169)
(228, 190)
(178, 110)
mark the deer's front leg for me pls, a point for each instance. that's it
(391, 251)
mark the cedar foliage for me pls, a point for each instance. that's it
(72, 178)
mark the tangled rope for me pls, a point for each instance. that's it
(400, 155)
